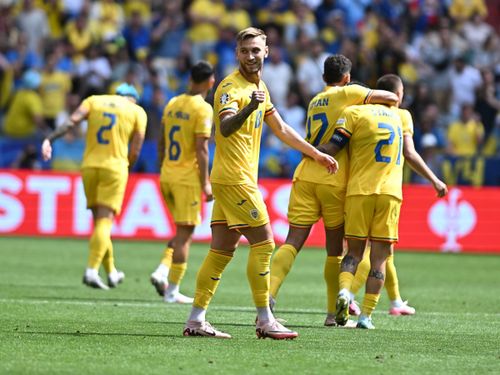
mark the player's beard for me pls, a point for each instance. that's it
(253, 68)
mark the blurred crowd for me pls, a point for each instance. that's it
(54, 53)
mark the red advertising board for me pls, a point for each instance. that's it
(53, 204)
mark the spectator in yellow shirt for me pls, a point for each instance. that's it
(54, 88)
(462, 10)
(466, 135)
(25, 114)
(205, 16)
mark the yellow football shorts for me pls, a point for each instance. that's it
(104, 187)
(310, 201)
(183, 202)
(373, 216)
(238, 206)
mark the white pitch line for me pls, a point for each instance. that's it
(220, 308)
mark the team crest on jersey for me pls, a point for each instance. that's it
(224, 98)
(254, 213)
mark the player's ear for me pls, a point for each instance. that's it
(267, 52)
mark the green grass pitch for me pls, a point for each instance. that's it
(50, 323)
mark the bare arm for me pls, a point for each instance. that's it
(329, 148)
(202, 158)
(76, 117)
(232, 122)
(289, 136)
(418, 165)
(135, 148)
(383, 97)
(161, 145)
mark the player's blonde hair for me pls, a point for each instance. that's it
(250, 32)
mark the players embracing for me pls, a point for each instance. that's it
(377, 143)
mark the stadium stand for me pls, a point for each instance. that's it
(447, 51)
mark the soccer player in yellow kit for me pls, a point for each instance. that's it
(398, 306)
(115, 133)
(315, 194)
(374, 134)
(183, 154)
(241, 105)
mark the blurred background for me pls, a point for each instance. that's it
(54, 53)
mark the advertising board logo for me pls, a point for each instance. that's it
(452, 219)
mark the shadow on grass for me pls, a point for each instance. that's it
(83, 334)
(95, 300)
(32, 286)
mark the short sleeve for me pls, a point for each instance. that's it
(269, 105)
(407, 122)
(228, 99)
(357, 94)
(87, 103)
(345, 123)
(204, 122)
(141, 121)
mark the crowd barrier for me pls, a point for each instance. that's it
(53, 204)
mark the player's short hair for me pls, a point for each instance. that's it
(201, 71)
(335, 67)
(250, 32)
(389, 82)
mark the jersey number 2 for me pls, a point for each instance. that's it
(378, 154)
(104, 128)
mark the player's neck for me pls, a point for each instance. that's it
(197, 90)
(253, 78)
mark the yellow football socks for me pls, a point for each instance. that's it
(369, 303)
(391, 279)
(331, 273)
(100, 242)
(280, 266)
(258, 273)
(345, 280)
(176, 273)
(109, 261)
(361, 273)
(209, 276)
(167, 257)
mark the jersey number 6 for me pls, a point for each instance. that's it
(174, 149)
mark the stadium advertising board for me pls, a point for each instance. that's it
(53, 204)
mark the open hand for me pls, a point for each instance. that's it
(46, 150)
(327, 161)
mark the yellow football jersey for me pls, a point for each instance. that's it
(407, 121)
(185, 117)
(322, 115)
(375, 149)
(53, 89)
(112, 120)
(20, 118)
(236, 159)
(463, 137)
